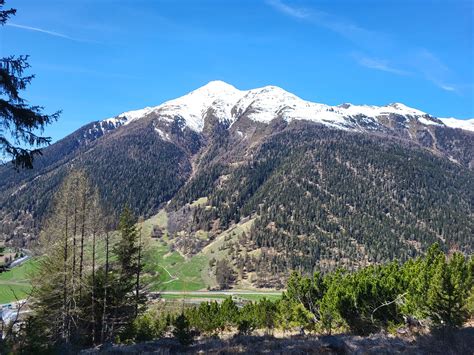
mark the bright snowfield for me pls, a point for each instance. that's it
(264, 104)
(467, 125)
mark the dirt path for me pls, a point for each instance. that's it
(14, 283)
(173, 278)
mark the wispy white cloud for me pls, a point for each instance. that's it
(447, 87)
(420, 62)
(347, 29)
(288, 10)
(378, 64)
(41, 30)
(434, 70)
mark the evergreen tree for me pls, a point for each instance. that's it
(127, 247)
(126, 300)
(449, 290)
(19, 121)
(181, 330)
(228, 313)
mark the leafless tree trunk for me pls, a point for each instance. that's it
(137, 286)
(65, 286)
(83, 232)
(106, 285)
(94, 326)
(96, 219)
(73, 276)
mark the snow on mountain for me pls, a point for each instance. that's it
(127, 117)
(227, 104)
(467, 125)
(219, 96)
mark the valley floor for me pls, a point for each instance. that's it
(15, 284)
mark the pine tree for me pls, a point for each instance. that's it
(127, 247)
(449, 290)
(228, 313)
(181, 330)
(126, 300)
(19, 121)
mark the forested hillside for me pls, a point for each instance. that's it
(323, 198)
(133, 167)
(320, 186)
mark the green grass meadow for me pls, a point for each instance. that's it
(170, 271)
(17, 281)
(164, 270)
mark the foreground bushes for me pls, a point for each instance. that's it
(432, 289)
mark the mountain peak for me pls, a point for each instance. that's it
(227, 104)
(215, 85)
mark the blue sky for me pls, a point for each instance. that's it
(94, 59)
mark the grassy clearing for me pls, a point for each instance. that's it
(216, 250)
(8, 292)
(17, 281)
(160, 220)
(21, 273)
(170, 271)
(199, 202)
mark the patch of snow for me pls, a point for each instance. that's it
(428, 122)
(467, 125)
(265, 104)
(163, 135)
(130, 116)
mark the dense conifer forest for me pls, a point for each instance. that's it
(338, 199)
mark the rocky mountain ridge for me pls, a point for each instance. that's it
(228, 104)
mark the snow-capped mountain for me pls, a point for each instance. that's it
(189, 147)
(228, 104)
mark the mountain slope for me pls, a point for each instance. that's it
(323, 185)
(467, 125)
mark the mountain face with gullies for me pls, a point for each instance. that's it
(322, 185)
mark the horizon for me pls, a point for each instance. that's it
(95, 60)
